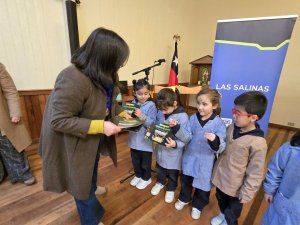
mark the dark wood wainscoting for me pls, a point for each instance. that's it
(33, 104)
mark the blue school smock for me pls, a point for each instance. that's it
(283, 182)
(171, 158)
(136, 140)
(198, 159)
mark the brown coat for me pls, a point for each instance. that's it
(239, 170)
(67, 150)
(10, 107)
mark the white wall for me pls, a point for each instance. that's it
(34, 44)
(148, 27)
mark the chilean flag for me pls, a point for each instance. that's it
(173, 77)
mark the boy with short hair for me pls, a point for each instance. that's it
(238, 172)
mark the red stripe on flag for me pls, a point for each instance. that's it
(173, 79)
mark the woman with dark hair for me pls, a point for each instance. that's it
(282, 185)
(76, 128)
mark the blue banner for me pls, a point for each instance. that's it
(248, 56)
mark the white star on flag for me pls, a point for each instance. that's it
(175, 60)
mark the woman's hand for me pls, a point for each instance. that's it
(15, 119)
(138, 112)
(110, 128)
(210, 136)
(268, 198)
(170, 143)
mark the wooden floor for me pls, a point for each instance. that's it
(125, 205)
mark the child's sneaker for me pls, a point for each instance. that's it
(169, 197)
(195, 213)
(135, 181)
(156, 189)
(218, 220)
(179, 204)
(142, 184)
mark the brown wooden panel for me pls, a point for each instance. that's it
(42, 102)
(35, 92)
(32, 106)
(37, 113)
(24, 113)
(31, 118)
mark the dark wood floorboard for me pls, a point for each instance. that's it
(125, 205)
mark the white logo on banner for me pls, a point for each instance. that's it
(243, 87)
(227, 121)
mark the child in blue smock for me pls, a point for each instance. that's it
(282, 185)
(168, 157)
(141, 148)
(208, 139)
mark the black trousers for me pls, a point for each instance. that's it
(15, 163)
(167, 174)
(141, 162)
(200, 198)
(230, 206)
